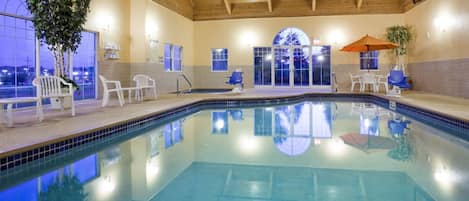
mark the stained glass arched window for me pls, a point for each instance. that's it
(291, 36)
(15, 7)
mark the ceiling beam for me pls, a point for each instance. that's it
(228, 6)
(269, 2)
(313, 5)
(359, 4)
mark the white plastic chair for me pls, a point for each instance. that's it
(144, 82)
(355, 79)
(51, 87)
(381, 80)
(368, 78)
(107, 91)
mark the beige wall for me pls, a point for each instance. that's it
(439, 55)
(159, 23)
(431, 42)
(111, 18)
(241, 35)
(131, 23)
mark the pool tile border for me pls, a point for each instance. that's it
(457, 127)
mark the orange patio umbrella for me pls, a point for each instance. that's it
(368, 43)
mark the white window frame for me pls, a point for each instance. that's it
(368, 57)
(172, 64)
(227, 60)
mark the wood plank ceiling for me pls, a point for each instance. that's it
(234, 9)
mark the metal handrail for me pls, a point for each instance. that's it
(179, 92)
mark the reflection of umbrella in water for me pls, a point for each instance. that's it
(367, 142)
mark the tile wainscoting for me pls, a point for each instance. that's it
(165, 81)
(449, 77)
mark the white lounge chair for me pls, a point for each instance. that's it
(51, 87)
(355, 79)
(144, 82)
(381, 80)
(107, 91)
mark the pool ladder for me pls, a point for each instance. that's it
(179, 91)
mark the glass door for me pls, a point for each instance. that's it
(300, 66)
(321, 65)
(282, 66)
(263, 66)
(84, 67)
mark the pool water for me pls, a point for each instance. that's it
(300, 151)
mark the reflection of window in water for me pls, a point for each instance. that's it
(306, 119)
(220, 122)
(263, 121)
(84, 170)
(173, 133)
(154, 145)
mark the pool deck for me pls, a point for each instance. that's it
(59, 125)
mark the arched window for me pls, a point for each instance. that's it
(291, 36)
(15, 7)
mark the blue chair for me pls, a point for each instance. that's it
(398, 80)
(237, 115)
(397, 127)
(236, 78)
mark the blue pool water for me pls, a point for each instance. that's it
(300, 151)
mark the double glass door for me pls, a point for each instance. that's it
(292, 66)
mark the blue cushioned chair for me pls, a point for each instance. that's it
(236, 78)
(398, 80)
(237, 115)
(397, 127)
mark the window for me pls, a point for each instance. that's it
(291, 36)
(18, 56)
(369, 60)
(172, 58)
(220, 60)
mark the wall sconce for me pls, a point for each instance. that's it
(336, 37)
(444, 22)
(104, 23)
(248, 38)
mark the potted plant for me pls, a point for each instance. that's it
(402, 36)
(59, 23)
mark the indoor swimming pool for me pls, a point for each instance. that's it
(305, 150)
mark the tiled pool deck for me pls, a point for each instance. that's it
(58, 125)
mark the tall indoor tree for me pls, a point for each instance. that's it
(402, 36)
(59, 23)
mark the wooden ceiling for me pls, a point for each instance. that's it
(233, 9)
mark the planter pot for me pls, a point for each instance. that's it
(56, 103)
